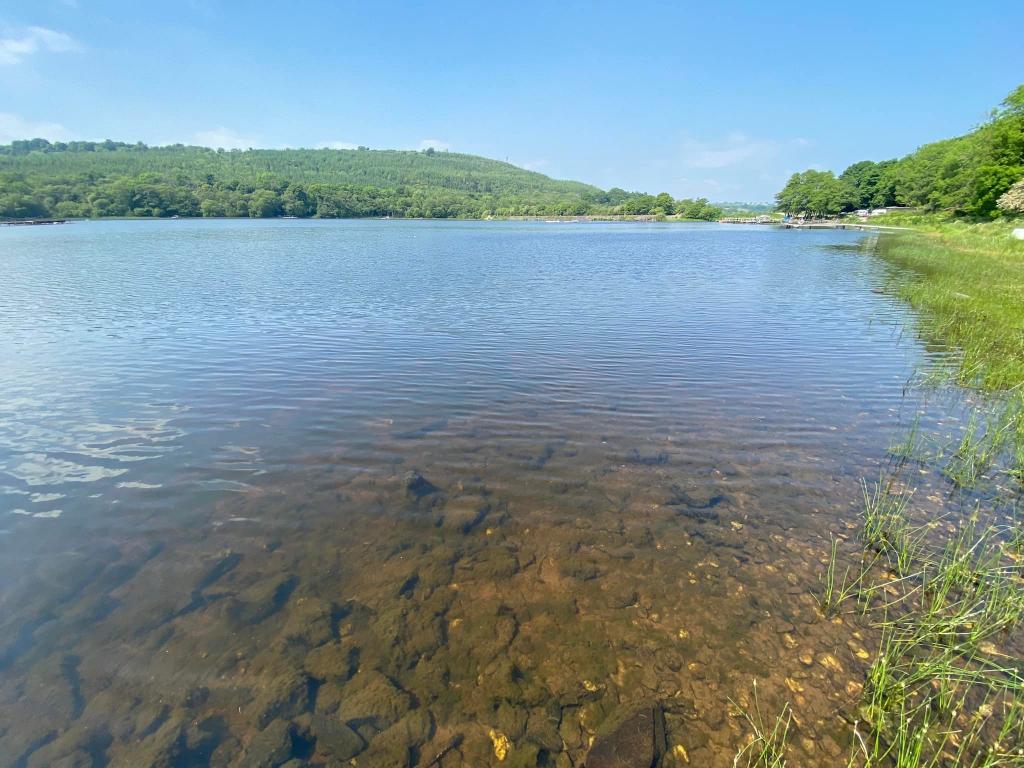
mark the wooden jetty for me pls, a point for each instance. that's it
(838, 225)
(32, 222)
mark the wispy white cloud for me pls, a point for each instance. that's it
(337, 145)
(224, 138)
(535, 165)
(739, 164)
(734, 149)
(13, 127)
(435, 144)
(16, 48)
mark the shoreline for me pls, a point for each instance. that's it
(583, 219)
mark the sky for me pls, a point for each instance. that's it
(721, 100)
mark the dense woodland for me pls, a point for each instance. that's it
(96, 179)
(978, 176)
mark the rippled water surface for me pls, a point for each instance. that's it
(396, 491)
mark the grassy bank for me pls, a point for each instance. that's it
(968, 282)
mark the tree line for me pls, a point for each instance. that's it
(84, 179)
(970, 176)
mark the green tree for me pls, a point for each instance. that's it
(868, 182)
(817, 193)
(664, 201)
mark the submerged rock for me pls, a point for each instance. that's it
(332, 661)
(394, 747)
(417, 486)
(464, 513)
(74, 747)
(309, 623)
(373, 699)
(162, 749)
(697, 503)
(270, 747)
(284, 696)
(636, 742)
(335, 741)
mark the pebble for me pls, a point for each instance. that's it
(830, 662)
(500, 743)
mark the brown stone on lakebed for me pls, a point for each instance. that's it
(636, 742)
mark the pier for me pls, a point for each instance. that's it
(32, 222)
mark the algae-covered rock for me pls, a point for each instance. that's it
(162, 749)
(270, 747)
(464, 513)
(511, 720)
(328, 698)
(310, 622)
(495, 562)
(571, 731)
(79, 759)
(637, 741)
(335, 741)
(263, 599)
(577, 566)
(417, 486)
(372, 698)
(283, 696)
(74, 747)
(332, 661)
(394, 746)
(524, 755)
(542, 727)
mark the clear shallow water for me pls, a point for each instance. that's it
(426, 480)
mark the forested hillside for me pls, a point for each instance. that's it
(968, 176)
(95, 179)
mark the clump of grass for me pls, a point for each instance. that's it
(990, 435)
(887, 529)
(911, 447)
(769, 738)
(835, 592)
(937, 661)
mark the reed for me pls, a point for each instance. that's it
(769, 738)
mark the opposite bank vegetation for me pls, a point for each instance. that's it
(86, 179)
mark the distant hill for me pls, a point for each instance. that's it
(96, 179)
(118, 179)
(735, 208)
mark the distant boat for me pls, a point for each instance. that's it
(289, 217)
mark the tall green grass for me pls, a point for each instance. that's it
(968, 282)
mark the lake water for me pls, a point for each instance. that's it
(391, 491)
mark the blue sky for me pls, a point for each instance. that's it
(722, 100)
